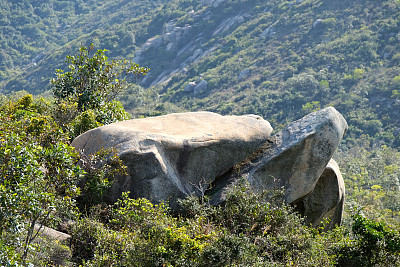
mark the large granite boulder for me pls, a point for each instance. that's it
(169, 156)
(295, 159)
(176, 155)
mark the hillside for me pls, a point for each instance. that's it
(279, 59)
(283, 59)
(35, 32)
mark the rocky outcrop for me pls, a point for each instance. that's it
(153, 42)
(176, 155)
(170, 38)
(189, 87)
(270, 31)
(229, 23)
(201, 87)
(317, 23)
(168, 156)
(294, 158)
(196, 88)
(50, 233)
(244, 74)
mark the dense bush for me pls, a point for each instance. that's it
(85, 95)
(250, 229)
(38, 172)
(43, 179)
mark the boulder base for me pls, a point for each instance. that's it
(326, 201)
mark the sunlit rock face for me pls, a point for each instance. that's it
(168, 156)
(297, 159)
(177, 155)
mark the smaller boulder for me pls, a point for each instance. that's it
(201, 87)
(243, 74)
(294, 158)
(326, 201)
(190, 87)
(317, 23)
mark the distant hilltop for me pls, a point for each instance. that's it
(214, 3)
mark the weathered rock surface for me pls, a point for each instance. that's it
(270, 31)
(244, 74)
(294, 158)
(189, 87)
(50, 233)
(168, 156)
(326, 201)
(214, 3)
(172, 156)
(59, 241)
(229, 23)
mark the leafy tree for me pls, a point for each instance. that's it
(92, 80)
(38, 175)
(85, 95)
(375, 244)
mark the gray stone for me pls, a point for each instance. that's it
(189, 87)
(169, 156)
(300, 154)
(200, 87)
(316, 23)
(326, 201)
(168, 37)
(153, 42)
(169, 26)
(294, 158)
(243, 74)
(218, 2)
(207, 2)
(214, 3)
(189, 46)
(270, 31)
(227, 24)
(196, 54)
(170, 47)
(50, 233)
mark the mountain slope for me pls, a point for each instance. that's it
(280, 59)
(32, 31)
(283, 59)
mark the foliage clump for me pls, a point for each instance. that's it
(44, 181)
(86, 94)
(249, 229)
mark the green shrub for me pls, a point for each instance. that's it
(376, 244)
(38, 174)
(92, 80)
(100, 169)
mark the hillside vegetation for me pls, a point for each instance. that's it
(36, 33)
(278, 59)
(44, 180)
